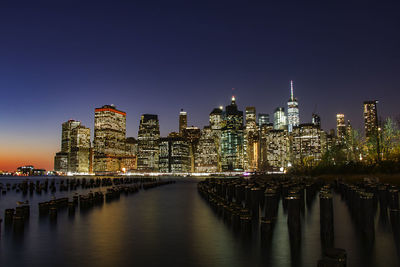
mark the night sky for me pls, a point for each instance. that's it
(61, 61)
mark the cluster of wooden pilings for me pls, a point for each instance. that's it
(364, 199)
(69, 184)
(16, 218)
(245, 203)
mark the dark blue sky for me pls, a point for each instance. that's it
(60, 61)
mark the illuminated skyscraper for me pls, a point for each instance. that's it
(216, 119)
(182, 121)
(293, 110)
(109, 139)
(263, 119)
(316, 120)
(192, 135)
(280, 119)
(80, 150)
(275, 149)
(206, 155)
(307, 144)
(61, 159)
(340, 127)
(251, 142)
(75, 148)
(148, 146)
(67, 128)
(174, 155)
(216, 124)
(232, 139)
(370, 118)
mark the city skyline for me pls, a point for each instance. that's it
(50, 162)
(66, 62)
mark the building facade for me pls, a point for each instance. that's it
(79, 159)
(251, 141)
(370, 118)
(307, 144)
(263, 119)
(293, 117)
(148, 146)
(280, 122)
(109, 142)
(182, 121)
(207, 157)
(174, 155)
(75, 148)
(275, 149)
(232, 151)
(340, 128)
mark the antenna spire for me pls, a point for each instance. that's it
(291, 90)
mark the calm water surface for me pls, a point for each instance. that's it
(173, 226)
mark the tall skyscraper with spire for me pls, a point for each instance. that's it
(293, 110)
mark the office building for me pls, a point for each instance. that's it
(148, 146)
(293, 118)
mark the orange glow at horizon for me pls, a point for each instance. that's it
(39, 153)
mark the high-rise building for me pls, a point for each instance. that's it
(173, 155)
(251, 141)
(307, 144)
(340, 127)
(75, 149)
(217, 122)
(316, 120)
(275, 149)
(293, 110)
(148, 146)
(232, 139)
(80, 150)
(280, 122)
(206, 157)
(182, 121)
(109, 139)
(370, 118)
(216, 119)
(67, 128)
(129, 161)
(192, 135)
(263, 119)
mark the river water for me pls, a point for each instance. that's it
(172, 225)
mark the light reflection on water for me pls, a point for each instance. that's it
(172, 225)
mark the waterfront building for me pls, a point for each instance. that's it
(280, 122)
(129, 161)
(182, 121)
(109, 139)
(206, 157)
(79, 155)
(148, 146)
(174, 155)
(232, 139)
(61, 162)
(340, 128)
(306, 144)
(275, 149)
(316, 120)
(293, 110)
(26, 170)
(192, 135)
(370, 118)
(263, 119)
(251, 141)
(75, 148)
(66, 131)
